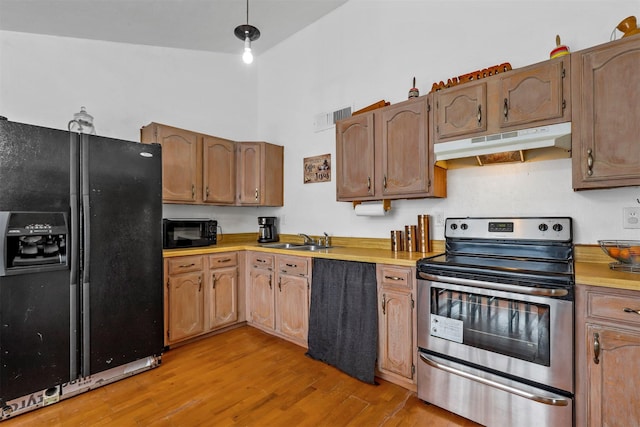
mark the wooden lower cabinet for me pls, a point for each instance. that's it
(607, 357)
(279, 289)
(202, 294)
(293, 298)
(397, 351)
(260, 293)
(223, 289)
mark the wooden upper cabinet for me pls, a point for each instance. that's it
(461, 110)
(180, 174)
(405, 149)
(386, 154)
(219, 171)
(605, 126)
(355, 157)
(260, 174)
(533, 94)
(204, 169)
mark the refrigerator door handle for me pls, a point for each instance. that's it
(75, 253)
(86, 249)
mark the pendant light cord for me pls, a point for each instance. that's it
(247, 12)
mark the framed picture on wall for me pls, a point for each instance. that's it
(317, 169)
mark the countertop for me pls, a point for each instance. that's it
(586, 272)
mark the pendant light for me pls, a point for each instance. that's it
(247, 33)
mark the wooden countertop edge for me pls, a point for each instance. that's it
(587, 272)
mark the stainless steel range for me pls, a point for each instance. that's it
(495, 322)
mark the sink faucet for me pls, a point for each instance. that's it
(327, 241)
(307, 240)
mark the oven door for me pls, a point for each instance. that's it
(525, 336)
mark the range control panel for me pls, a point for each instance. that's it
(557, 229)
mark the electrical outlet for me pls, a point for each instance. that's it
(631, 218)
(439, 218)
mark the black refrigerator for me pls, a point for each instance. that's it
(81, 300)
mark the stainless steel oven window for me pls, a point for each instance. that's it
(515, 328)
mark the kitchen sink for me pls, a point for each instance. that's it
(294, 246)
(310, 247)
(282, 245)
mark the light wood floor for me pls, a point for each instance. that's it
(242, 377)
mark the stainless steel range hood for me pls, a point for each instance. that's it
(558, 135)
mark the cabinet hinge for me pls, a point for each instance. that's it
(413, 303)
(168, 335)
(564, 72)
(155, 134)
(428, 107)
(413, 370)
(564, 104)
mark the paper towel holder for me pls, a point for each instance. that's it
(386, 204)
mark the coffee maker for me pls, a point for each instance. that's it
(267, 231)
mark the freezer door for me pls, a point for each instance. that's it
(122, 318)
(35, 342)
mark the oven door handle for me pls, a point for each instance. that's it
(545, 292)
(553, 401)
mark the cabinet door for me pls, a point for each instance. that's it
(460, 111)
(218, 171)
(249, 173)
(292, 306)
(605, 93)
(405, 149)
(179, 164)
(186, 306)
(614, 380)
(355, 157)
(395, 312)
(223, 303)
(532, 95)
(262, 298)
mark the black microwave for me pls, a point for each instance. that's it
(188, 233)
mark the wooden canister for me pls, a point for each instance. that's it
(424, 242)
(397, 240)
(410, 238)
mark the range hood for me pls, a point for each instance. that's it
(558, 135)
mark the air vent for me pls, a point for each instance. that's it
(325, 121)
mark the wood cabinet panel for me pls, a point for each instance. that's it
(261, 290)
(605, 125)
(532, 95)
(405, 150)
(186, 306)
(614, 382)
(607, 348)
(292, 302)
(223, 301)
(355, 156)
(204, 169)
(219, 171)
(386, 154)
(460, 111)
(179, 164)
(397, 348)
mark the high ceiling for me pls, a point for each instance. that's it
(205, 25)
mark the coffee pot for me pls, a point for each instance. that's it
(267, 231)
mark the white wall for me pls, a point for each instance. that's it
(362, 52)
(369, 50)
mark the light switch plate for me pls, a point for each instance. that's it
(631, 217)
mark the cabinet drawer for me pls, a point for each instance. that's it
(185, 264)
(261, 260)
(292, 265)
(612, 307)
(227, 259)
(400, 277)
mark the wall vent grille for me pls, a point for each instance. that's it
(325, 121)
